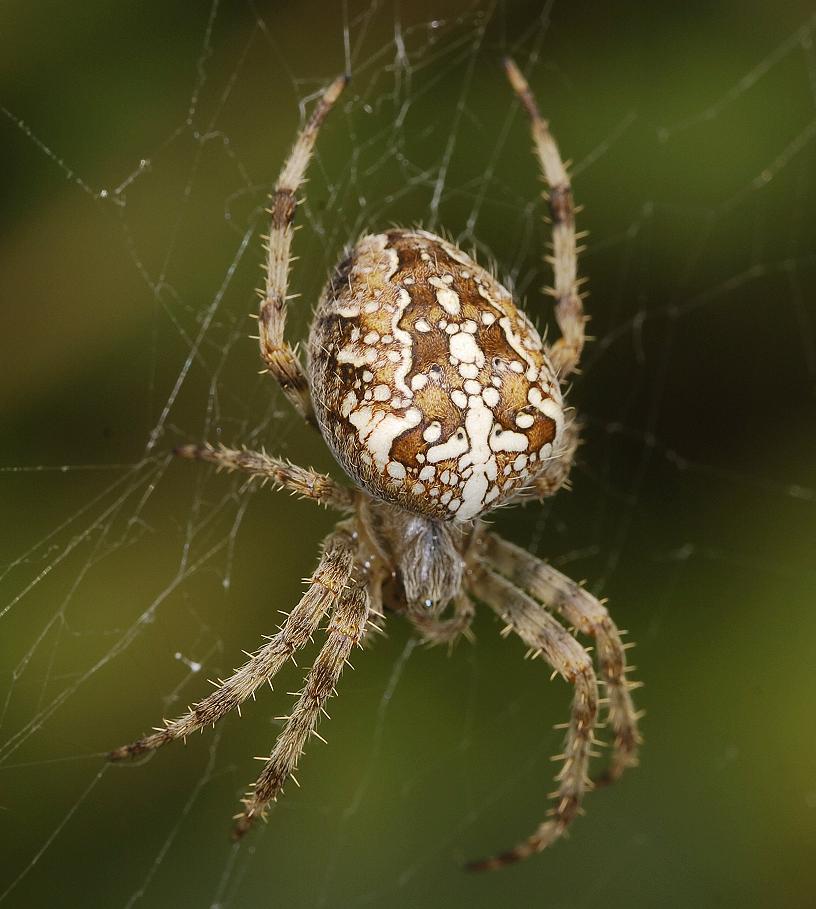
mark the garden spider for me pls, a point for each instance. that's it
(439, 400)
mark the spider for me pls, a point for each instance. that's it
(437, 397)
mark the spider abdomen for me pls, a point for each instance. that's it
(432, 389)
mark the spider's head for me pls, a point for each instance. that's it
(431, 387)
(426, 555)
(429, 563)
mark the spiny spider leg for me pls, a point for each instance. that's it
(569, 307)
(583, 611)
(280, 358)
(300, 480)
(541, 632)
(325, 587)
(345, 630)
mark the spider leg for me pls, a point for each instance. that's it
(583, 611)
(325, 587)
(280, 358)
(543, 634)
(569, 307)
(345, 630)
(376, 609)
(283, 474)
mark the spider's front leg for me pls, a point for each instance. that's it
(279, 357)
(326, 586)
(345, 631)
(542, 633)
(586, 613)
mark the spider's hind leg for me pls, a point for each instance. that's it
(279, 357)
(569, 308)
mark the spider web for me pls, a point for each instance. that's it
(127, 579)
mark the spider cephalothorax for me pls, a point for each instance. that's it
(427, 557)
(440, 401)
(432, 389)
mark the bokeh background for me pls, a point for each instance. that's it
(138, 143)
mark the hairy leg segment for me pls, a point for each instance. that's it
(547, 638)
(326, 586)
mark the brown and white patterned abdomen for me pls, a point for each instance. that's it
(431, 388)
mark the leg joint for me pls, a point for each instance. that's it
(562, 208)
(282, 208)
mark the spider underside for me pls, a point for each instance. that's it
(440, 401)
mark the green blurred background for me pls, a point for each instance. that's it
(138, 143)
